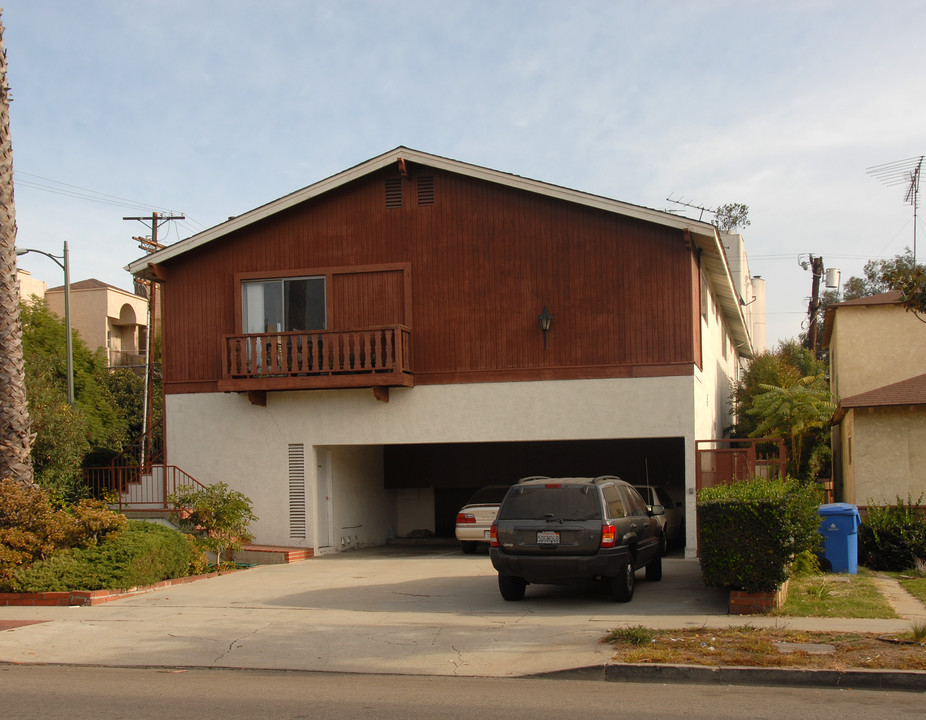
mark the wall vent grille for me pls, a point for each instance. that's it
(426, 190)
(297, 490)
(393, 192)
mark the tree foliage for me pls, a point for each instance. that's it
(731, 217)
(911, 284)
(877, 276)
(778, 395)
(65, 435)
(793, 411)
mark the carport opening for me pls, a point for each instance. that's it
(454, 471)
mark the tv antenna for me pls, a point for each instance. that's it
(906, 173)
(682, 201)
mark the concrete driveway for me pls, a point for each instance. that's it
(409, 609)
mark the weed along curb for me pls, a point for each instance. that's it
(86, 598)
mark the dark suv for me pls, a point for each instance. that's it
(559, 531)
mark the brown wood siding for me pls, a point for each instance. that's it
(482, 262)
(367, 299)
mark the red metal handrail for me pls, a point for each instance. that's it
(137, 488)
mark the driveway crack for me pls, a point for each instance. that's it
(233, 645)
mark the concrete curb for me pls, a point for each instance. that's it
(907, 680)
(87, 598)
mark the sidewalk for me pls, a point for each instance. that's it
(425, 610)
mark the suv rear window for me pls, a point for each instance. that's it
(539, 502)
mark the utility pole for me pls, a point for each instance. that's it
(816, 266)
(150, 245)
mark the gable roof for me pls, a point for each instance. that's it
(888, 298)
(89, 284)
(704, 235)
(906, 392)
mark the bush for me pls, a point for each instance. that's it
(218, 516)
(31, 529)
(145, 553)
(892, 537)
(750, 532)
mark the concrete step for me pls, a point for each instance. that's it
(272, 554)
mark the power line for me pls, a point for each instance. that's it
(82, 193)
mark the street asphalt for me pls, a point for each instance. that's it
(417, 609)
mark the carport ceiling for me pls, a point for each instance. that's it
(473, 465)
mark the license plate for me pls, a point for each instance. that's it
(488, 534)
(547, 537)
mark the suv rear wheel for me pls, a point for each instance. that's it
(511, 588)
(654, 569)
(622, 585)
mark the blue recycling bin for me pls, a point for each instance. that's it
(839, 524)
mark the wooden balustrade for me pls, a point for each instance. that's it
(318, 359)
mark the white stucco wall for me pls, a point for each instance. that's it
(711, 400)
(222, 437)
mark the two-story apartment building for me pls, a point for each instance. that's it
(360, 355)
(878, 375)
(106, 317)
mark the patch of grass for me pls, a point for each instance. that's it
(758, 647)
(849, 596)
(913, 584)
(637, 635)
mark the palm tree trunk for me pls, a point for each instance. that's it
(15, 428)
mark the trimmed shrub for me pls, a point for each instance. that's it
(216, 515)
(892, 537)
(31, 529)
(145, 553)
(750, 532)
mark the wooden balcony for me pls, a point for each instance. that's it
(322, 359)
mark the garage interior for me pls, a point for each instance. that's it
(456, 470)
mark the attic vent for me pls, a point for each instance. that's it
(393, 192)
(426, 190)
(297, 490)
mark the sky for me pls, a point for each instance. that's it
(210, 108)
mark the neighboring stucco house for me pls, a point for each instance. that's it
(29, 286)
(369, 350)
(878, 375)
(106, 317)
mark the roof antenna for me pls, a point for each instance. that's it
(903, 172)
(682, 201)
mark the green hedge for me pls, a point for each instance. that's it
(893, 537)
(749, 532)
(145, 553)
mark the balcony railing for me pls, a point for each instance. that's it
(367, 357)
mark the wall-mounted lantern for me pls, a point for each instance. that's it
(545, 318)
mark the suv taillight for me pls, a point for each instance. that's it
(493, 535)
(463, 518)
(608, 535)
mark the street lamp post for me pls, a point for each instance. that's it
(64, 264)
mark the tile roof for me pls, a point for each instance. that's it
(911, 391)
